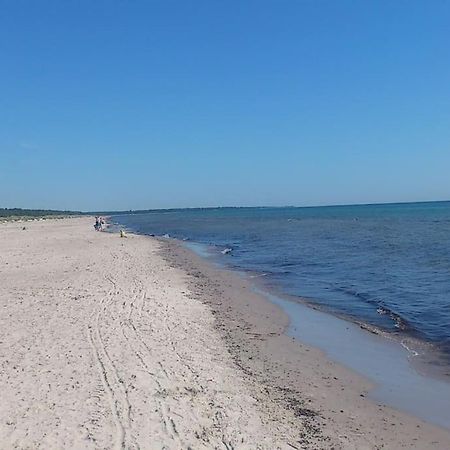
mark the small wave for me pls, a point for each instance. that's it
(259, 275)
(399, 322)
(367, 298)
(410, 350)
(288, 264)
(226, 251)
(166, 235)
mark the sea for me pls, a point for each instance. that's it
(386, 266)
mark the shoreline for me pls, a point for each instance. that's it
(348, 407)
(364, 270)
(429, 358)
(425, 357)
(425, 374)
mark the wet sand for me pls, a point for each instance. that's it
(137, 343)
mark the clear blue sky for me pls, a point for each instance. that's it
(148, 104)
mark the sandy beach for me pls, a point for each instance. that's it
(136, 343)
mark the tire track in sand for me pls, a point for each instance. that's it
(112, 383)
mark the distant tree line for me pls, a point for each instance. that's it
(8, 212)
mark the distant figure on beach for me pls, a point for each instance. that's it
(122, 234)
(98, 224)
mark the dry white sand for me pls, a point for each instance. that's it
(103, 345)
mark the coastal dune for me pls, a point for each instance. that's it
(110, 343)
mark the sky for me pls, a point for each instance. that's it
(112, 105)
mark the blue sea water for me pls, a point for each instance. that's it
(385, 265)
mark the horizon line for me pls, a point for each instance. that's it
(270, 207)
(333, 205)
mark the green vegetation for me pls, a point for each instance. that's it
(19, 213)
